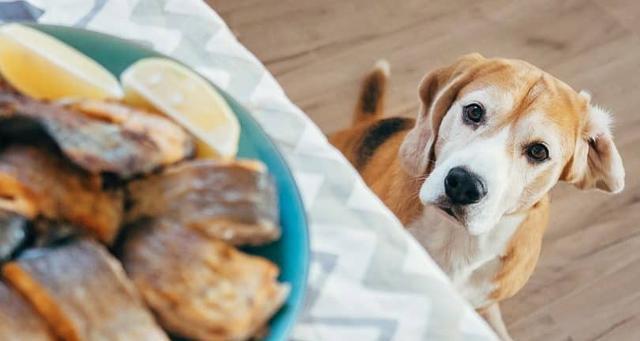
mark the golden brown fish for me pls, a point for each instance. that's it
(18, 319)
(36, 183)
(199, 287)
(83, 293)
(235, 202)
(100, 137)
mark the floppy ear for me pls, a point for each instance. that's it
(437, 91)
(596, 162)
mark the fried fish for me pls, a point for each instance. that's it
(200, 287)
(100, 137)
(83, 293)
(235, 202)
(56, 163)
(36, 183)
(18, 319)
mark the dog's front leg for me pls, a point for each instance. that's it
(493, 316)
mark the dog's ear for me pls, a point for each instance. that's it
(437, 91)
(596, 162)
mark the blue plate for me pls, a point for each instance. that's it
(291, 252)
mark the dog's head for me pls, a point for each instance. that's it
(494, 135)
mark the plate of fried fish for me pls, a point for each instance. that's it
(137, 201)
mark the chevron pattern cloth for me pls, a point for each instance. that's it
(369, 280)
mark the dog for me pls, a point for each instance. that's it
(491, 139)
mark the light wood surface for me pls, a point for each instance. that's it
(587, 284)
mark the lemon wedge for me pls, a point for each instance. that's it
(43, 67)
(181, 94)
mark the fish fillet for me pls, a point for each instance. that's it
(38, 183)
(83, 293)
(101, 137)
(235, 202)
(199, 287)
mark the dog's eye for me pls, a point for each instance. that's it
(473, 113)
(537, 152)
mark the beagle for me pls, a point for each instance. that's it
(470, 176)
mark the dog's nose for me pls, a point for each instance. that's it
(463, 187)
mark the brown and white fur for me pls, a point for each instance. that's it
(489, 248)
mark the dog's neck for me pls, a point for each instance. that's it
(471, 262)
(453, 248)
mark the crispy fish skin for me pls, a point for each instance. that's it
(46, 185)
(83, 293)
(199, 287)
(100, 137)
(18, 319)
(14, 232)
(232, 201)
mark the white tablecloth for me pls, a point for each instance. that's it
(369, 280)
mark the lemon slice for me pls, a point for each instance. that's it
(187, 98)
(43, 67)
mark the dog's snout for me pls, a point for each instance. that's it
(463, 187)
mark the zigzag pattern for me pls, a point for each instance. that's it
(369, 279)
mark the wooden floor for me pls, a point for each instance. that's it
(587, 284)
